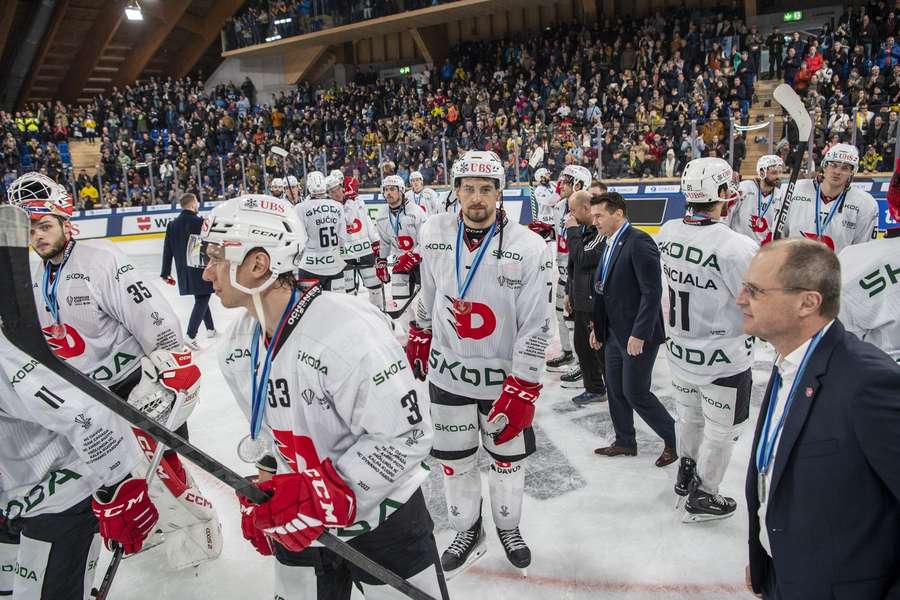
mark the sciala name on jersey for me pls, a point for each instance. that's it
(112, 315)
(504, 327)
(703, 265)
(326, 235)
(340, 388)
(852, 221)
(399, 233)
(754, 214)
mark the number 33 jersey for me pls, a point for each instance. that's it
(340, 388)
(703, 265)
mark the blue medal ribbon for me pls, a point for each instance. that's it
(607, 256)
(49, 289)
(395, 225)
(820, 226)
(762, 209)
(462, 286)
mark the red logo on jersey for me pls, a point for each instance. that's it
(761, 225)
(298, 450)
(825, 239)
(448, 470)
(404, 242)
(355, 226)
(476, 321)
(143, 223)
(69, 346)
(562, 246)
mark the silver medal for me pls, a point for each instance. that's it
(252, 450)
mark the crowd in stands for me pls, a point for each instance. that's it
(849, 77)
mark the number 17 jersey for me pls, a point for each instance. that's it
(703, 264)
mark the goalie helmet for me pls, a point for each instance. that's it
(315, 184)
(842, 153)
(766, 162)
(241, 224)
(38, 195)
(479, 163)
(542, 176)
(705, 179)
(578, 174)
(393, 181)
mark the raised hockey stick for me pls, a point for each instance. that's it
(791, 102)
(285, 155)
(22, 328)
(533, 162)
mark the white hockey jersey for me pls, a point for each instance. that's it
(427, 200)
(340, 387)
(753, 214)
(326, 235)
(448, 203)
(399, 233)
(113, 314)
(703, 267)
(852, 221)
(547, 199)
(506, 327)
(359, 230)
(562, 246)
(58, 444)
(870, 293)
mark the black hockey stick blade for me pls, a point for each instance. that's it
(791, 102)
(397, 312)
(22, 328)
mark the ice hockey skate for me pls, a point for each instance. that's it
(572, 380)
(686, 480)
(703, 506)
(517, 551)
(467, 547)
(555, 365)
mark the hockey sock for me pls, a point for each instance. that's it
(506, 481)
(462, 485)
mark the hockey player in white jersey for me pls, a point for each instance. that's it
(359, 249)
(870, 287)
(326, 388)
(399, 230)
(833, 212)
(326, 235)
(106, 319)
(423, 197)
(293, 191)
(546, 197)
(276, 187)
(703, 264)
(753, 213)
(65, 468)
(481, 331)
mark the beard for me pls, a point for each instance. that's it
(54, 250)
(478, 215)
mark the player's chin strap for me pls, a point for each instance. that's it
(258, 307)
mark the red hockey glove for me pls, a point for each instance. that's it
(545, 230)
(303, 505)
(376, 249)
(170, 280)
(514, 409)
(418, 346)
(251, 532)
(407, 261)
(177, 371)
(381, 270)
(129, 517)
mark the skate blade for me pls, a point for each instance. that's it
(477, 553)
(701, 518)
(680, 502)
(523, 572)
(560, 369)
(573, 386)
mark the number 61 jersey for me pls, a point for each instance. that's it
(703, 264)
(339, 388)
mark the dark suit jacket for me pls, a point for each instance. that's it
(631, 303)
(190, 279)
(584, 255)
(834, 495)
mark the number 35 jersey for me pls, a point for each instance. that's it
(112, 313)
(340, 388)
(703, 264)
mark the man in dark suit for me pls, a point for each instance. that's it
(628, 325)
(823, 485)
(190, 279)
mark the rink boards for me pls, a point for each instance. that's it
(649, 205)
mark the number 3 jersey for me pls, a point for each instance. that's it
(112, 313)
(703, 264)
(503, 327)
(326, 235)
(399, 230)
(852, 221)
(340, 388)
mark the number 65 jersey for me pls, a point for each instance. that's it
(703, 264)
(339, 388)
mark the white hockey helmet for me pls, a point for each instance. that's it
(416, 176)
(766, 162)
(579, 174)
(842, 153)
(336, 173)
(315, 184)
(479, 163)
(704, 180)
(241, 224)
(291, 181)
(278, 183)
(333, 181)
(395, 181)
(39, 195)
(541, 175)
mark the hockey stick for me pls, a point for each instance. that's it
(284, 154)
(22, 328)
(119, 552)
(791, 102)
(536, 158)
(396, 313)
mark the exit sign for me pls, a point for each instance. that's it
(792, 16)
(404, 70)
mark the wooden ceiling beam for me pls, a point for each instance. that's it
(168, 14)
(7, 13)
(212, 27)
(102, 31)
(55, 22)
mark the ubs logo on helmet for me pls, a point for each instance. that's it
(71, 345)
(472, 320)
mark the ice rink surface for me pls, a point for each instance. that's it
(597, 527)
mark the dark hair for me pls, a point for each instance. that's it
(613, 201)
(599, 184)
(811, 265)
(187, 199)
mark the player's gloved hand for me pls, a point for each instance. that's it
(250, 531)
(545, 230)
(418, 346)
(406, 262)
(303, 505)
(376, 248)
(514, 409)
(381, 270)
(170, 280)
(165, 373)
(128, 518)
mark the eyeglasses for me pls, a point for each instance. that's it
(755, 292)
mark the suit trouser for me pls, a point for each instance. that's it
(628, 387)
(770, 588)
(590, 360)
(200, 312)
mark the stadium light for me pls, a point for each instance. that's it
(133, 11)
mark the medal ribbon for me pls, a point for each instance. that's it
(462, 286)
(607, 256)
(762, 209)
(395, 225)
(49, 290)
(769, 435)
(820, 226)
